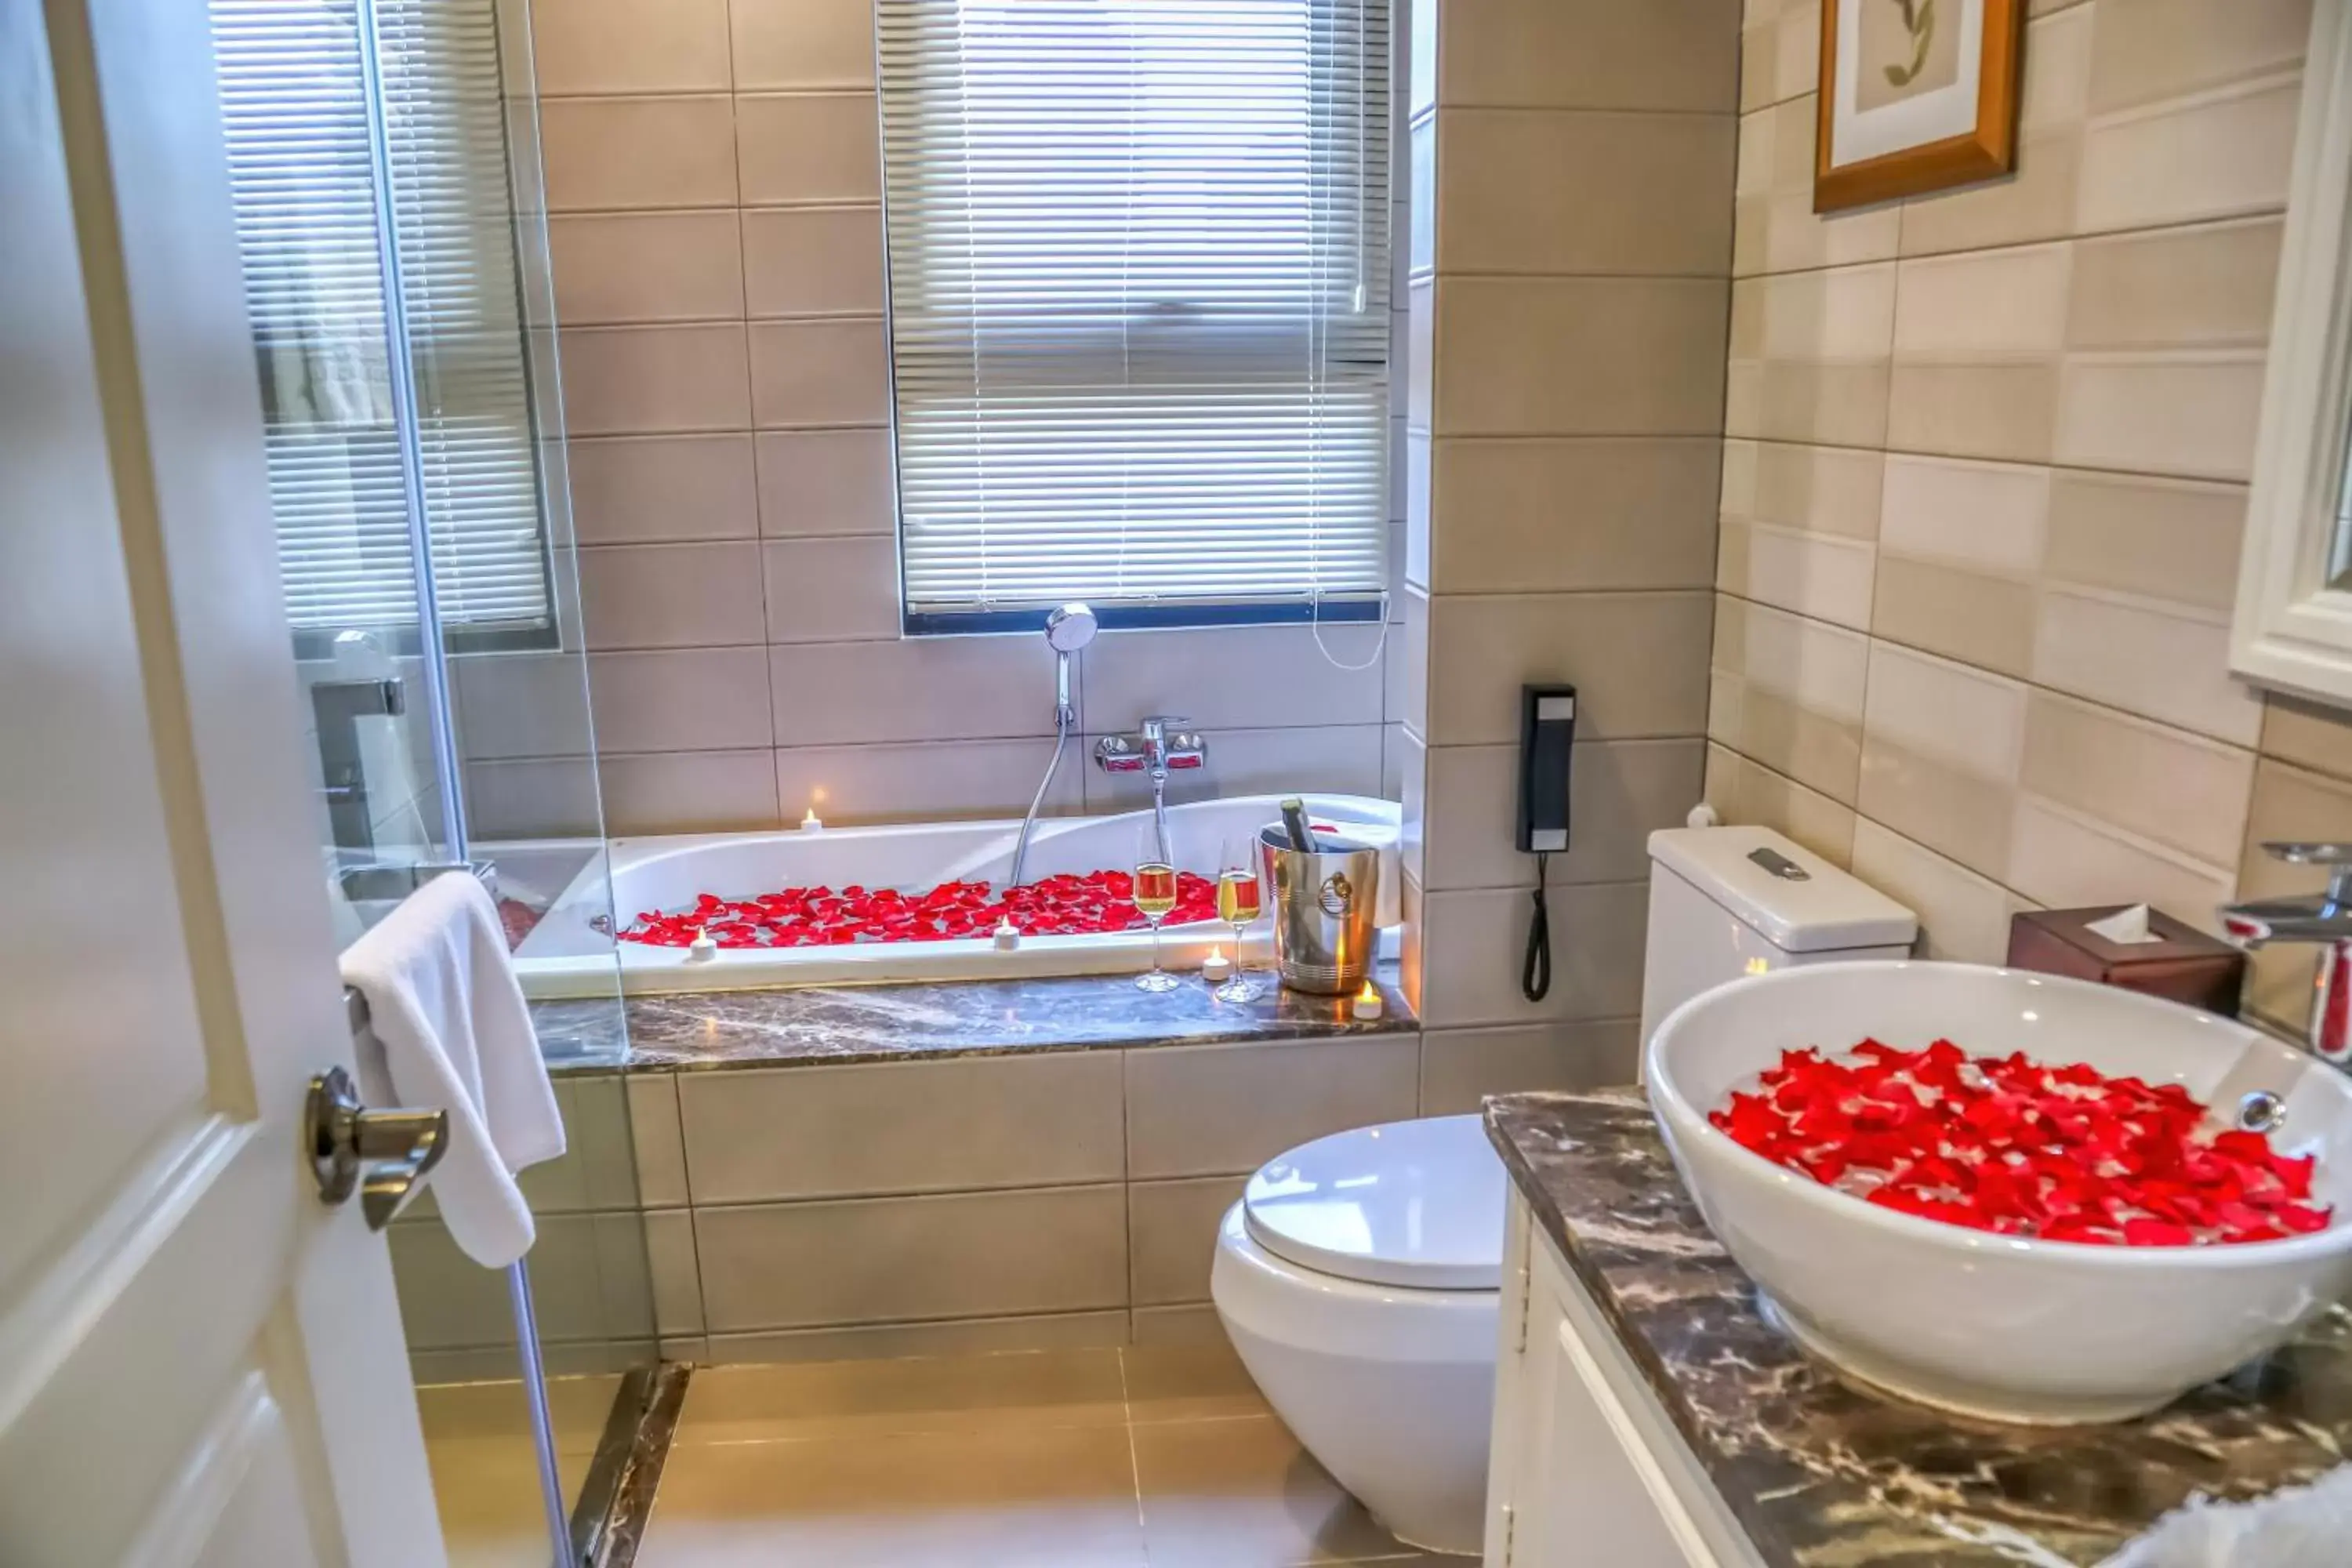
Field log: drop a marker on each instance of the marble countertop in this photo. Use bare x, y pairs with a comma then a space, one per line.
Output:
1825, 1475
842, 1025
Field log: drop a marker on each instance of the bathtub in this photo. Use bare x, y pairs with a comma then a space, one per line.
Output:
569, 953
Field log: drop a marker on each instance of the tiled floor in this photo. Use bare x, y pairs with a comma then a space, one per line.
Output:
485, 1474
1150, 1457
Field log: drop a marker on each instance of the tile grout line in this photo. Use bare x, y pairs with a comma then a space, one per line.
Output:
1126, 1413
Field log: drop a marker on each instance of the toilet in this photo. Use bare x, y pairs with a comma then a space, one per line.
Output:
1359, 1276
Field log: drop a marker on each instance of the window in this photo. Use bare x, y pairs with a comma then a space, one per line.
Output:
345, 479
1139, 307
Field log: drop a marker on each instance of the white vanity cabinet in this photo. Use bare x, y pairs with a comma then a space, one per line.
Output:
1587, 1470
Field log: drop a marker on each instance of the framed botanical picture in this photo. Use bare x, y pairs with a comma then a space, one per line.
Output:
1917, 96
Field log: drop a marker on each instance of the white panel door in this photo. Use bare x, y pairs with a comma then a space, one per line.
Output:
199, 1365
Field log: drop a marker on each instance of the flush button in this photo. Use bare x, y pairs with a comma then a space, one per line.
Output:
1781, 865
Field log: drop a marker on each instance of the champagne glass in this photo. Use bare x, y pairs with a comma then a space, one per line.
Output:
1155, 895
1237, 905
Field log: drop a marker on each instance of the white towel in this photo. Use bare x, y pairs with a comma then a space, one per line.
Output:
443, 1000
2298, 1527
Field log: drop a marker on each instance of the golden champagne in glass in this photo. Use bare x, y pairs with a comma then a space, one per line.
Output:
1155, 895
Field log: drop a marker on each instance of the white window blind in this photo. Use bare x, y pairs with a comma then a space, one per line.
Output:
296, 105
1139, 304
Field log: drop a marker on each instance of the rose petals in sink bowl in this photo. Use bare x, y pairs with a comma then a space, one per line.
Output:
2019, 1147
2046, 1226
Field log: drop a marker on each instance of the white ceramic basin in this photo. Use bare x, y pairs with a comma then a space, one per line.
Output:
1989, 1325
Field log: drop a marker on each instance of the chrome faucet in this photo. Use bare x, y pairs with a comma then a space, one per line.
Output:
1159, 743
2323, 921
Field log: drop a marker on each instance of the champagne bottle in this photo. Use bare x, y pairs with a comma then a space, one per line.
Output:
1294, 822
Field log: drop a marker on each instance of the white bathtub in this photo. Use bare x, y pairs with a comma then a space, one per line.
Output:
568, 955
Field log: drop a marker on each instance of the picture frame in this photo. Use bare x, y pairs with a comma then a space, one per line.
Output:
1915, 96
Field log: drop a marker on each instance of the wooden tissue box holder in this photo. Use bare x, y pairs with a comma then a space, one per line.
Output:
2185, 965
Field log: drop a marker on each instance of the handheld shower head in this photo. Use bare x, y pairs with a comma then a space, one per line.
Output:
1070, 629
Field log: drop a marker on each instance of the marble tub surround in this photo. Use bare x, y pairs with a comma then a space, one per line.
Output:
1820, 1473
839, 1024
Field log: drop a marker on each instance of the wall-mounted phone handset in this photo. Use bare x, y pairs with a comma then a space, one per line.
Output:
1547, 738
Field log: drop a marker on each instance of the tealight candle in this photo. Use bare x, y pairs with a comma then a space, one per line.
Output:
1007, 935
810, 823
1216, 969
1368, 1007
702, 948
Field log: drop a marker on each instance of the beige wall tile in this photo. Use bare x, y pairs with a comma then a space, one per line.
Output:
814, 147
655, 489
1983, 305
1571, 191
1741, 791
1476, 940
2065, 859
874, 1260
2307, 734
546, 797
1668, 54
902, 1127
520, 705
803, 43
2035, 203
2216, 156
1172, 1230
1459, 1068
603, 154
1964, 717
1810, 574
2144, 661
1582, 356
2176, 540
1775, 226
1846, 314
820, 373
1823, 668
2181, 790
2197, 287
1519, 516
814, 261
447, 1301
1960, 814
2057, 88
1992, 515
672, 596
1205, 1111
915, 688
1963, 917
2289, 804
818, 483
1814, 748
1813, 489
690, 699
677, 1276
1334, 759
2167, 47
646, 267
1623, 792
929, 781
2190, 414
1638, 658
1976, 618
629, 45
2000, 411
1844, 404
832, 590
625, 381
688, 792
657, 1139
1220, 677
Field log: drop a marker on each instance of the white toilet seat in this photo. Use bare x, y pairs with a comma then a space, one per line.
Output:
1412, 1203
1391, 1386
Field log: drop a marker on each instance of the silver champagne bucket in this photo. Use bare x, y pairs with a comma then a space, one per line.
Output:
1325, 904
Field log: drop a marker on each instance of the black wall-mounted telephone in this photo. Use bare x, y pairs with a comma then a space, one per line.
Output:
1546, 740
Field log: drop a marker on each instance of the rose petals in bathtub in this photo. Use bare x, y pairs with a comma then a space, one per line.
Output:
1063, 905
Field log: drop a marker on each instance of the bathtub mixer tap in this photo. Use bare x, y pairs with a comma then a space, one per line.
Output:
1159, 743
2322, 920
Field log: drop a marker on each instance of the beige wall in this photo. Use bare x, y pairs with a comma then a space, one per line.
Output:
713, 173
1570, 258
1984, 483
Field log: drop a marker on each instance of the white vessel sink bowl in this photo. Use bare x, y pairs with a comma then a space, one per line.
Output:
1988, 1325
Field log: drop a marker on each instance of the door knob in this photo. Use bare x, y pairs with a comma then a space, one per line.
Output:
383, 1155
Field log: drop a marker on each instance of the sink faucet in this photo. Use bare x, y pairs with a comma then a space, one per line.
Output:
2323, 921
1160, 743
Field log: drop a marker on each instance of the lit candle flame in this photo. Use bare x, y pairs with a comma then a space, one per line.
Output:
810, 820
